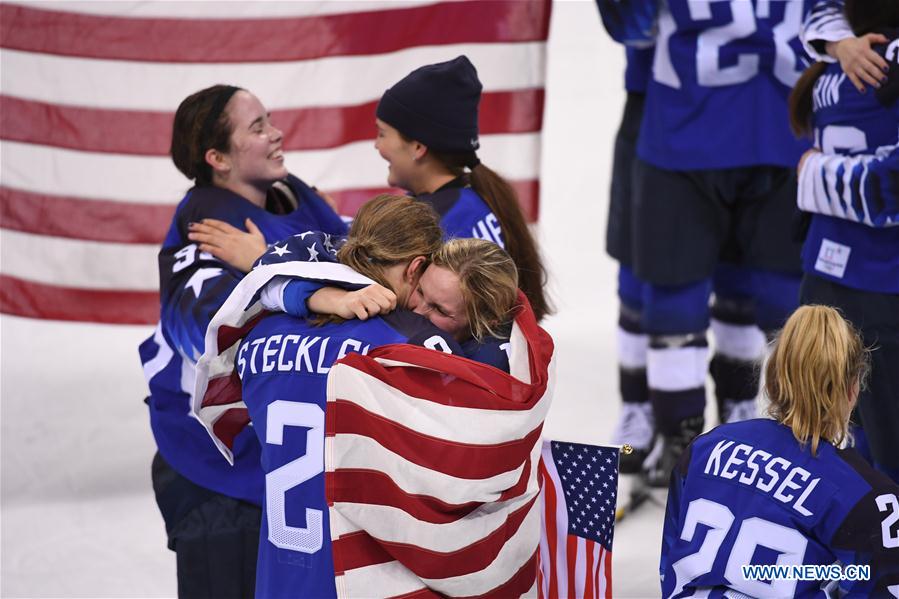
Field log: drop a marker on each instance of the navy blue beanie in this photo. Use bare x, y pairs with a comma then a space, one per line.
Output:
437, 105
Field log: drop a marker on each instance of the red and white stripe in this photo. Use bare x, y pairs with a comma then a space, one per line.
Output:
89, 90
430, 459
570, 566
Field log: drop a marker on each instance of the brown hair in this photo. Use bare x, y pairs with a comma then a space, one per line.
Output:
388, 230
502, 200
193, 133
488, 280
864, 16
817, 360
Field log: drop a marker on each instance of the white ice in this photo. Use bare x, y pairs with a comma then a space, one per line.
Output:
78, 515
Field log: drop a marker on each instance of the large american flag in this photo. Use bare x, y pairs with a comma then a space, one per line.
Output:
430, 459
580, 485
89, 89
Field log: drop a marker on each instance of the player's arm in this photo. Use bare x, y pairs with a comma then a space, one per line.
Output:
630, 22
827, 36
193, 283
869, 536
862, 188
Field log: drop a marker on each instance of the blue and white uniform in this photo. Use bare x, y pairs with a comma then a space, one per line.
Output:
748, 494
193, 285
286, 403
463, 213
721, 76
851, 251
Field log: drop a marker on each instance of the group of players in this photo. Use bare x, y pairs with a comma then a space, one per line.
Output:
702, 223
437, 273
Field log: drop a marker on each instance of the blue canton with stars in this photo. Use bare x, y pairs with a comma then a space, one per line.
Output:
309, 246
589, 476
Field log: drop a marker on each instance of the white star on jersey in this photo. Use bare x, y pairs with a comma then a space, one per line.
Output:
196, 280
280, 251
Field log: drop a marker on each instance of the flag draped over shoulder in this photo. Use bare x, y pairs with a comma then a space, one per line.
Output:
89, 90
431, 469
579, 490
431, 460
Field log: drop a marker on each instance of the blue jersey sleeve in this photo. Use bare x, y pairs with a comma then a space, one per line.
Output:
630, 22
863, 188
193, 284
824, 23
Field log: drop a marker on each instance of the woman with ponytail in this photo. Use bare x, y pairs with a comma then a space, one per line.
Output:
785, 491
224, 142
848, 190
428, 134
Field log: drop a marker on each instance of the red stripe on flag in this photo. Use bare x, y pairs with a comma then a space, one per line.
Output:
37, 300
77, 218
231, 423
357, 550
607, 557
258, 40
149, 133
222, 391
519, 584
589, 588
228, 336
129, 222
426, 563
571, 562
419, 594
376, 488
549, 520
449, 457
434, 386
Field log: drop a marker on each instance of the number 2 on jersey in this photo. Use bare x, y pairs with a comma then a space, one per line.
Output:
710, 41
278, 482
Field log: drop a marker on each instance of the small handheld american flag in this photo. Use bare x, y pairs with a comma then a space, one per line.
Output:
579, 489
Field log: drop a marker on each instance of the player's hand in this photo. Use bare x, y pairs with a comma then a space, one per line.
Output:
362, 304
860, 63
804, 157
229, 244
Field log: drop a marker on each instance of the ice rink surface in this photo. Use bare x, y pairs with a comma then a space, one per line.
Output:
78, 515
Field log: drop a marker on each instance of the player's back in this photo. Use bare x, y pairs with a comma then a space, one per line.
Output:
283, 364
721, 75
748, 494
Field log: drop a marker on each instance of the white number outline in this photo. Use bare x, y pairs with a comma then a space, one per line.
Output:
884, 503
789, 542
743, 23
280, 415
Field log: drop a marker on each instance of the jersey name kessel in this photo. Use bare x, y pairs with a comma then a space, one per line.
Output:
757, 468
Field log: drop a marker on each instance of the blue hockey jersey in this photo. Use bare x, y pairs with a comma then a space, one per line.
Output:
747, 494
193, 285
722, 72
283, 364
852, 188
463, 213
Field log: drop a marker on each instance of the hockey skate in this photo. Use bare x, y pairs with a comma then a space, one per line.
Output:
636, 427
668, 451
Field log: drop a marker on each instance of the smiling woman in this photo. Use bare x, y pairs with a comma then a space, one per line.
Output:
224, 140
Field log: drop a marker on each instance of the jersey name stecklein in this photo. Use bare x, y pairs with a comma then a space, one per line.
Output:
758, 468
295, 353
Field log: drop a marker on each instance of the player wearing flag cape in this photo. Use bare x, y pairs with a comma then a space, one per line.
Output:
222, 139
461, 421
